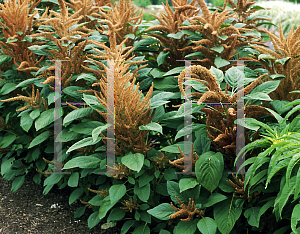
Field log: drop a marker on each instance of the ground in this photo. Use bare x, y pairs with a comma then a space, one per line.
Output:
29, 211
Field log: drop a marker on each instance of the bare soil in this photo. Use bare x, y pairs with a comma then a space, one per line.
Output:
29, 211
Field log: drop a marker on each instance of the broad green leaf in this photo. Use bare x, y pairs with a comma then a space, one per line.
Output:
264, 208
84, 142
186, 227
225, 215
162, 211
73, 180
75, 195
93, 219
126, 226
34, 114
86, 127
88, 77
295, 218
218, 49
210, 165
6, 165
175, 70
187, 183
143, 229
219, 62
79, 212
174, 148
160, 99
7, 88
218, 74
82, 162
189, 129
279, 105
265, 56
234, 77
207, 225
152, 126
156, 73
116, 192
277, 76
143, 193
214, 198
162, 57
258, 96
7, 140
46, 118
144, 179
72, 91
196, 85
96, 132
4, 59
282, 61
133, 161
76, 114
222, 37
266, 87
105, 207
39, 139
252, 216
176, 35
53, 179
116, 214
17, 183
146, 42
26, 121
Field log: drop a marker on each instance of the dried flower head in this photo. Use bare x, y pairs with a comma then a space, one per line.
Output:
161, 160
129, 205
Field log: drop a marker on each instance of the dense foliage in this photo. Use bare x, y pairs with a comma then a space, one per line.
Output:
168, 175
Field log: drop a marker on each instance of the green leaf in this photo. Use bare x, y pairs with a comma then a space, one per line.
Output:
126, 226
75, 195
174, 149
219, 62
105, 207
143, 193
218, 74
265, 56
225, 215
53, 179
79, 212
173, 71
7, 140
222, 37
258, 96
87, 127
34, 114
96, 132
264, 208
82, 162
196, 85
144, 179
160, 99
207, 225
156, 73
152, 126
72, 91
93, 219
17, 183
189, 129
161, 58
266, 87
234, 77
277, 77
84, 142
210, 165
282, 61
116, 192
46, 118
88, 77
6, 165
193, 54
7, 88
186, 227
5, 59
249, 123
76, 114
187, 183
278, 105
143, 229
116, 214
39, 139
162, 211
295, 218
218, 49
73, 180
26, 121
252, 216
176, 35
214, 198
146, 42
145, 217
239, 25
133, 161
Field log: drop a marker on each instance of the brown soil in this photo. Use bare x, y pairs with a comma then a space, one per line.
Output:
29, 211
